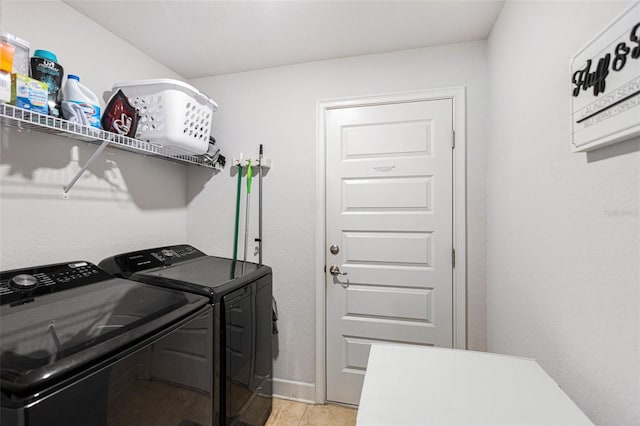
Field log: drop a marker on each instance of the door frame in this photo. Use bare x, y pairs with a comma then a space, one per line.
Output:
458, 97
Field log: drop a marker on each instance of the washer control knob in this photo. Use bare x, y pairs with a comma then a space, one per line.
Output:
168, 253
24, 281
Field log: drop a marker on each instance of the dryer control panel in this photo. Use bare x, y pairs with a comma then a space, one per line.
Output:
124, 265
19, 284
168, 254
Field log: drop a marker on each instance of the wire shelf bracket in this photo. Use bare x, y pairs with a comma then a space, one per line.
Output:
95, 155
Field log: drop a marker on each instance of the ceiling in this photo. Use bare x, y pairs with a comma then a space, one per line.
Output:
197, 38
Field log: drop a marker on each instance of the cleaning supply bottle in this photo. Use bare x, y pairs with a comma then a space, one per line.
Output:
45, 67
75, 92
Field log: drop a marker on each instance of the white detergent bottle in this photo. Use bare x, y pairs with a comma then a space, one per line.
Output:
77, 93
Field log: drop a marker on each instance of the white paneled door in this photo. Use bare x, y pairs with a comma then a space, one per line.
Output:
389, 186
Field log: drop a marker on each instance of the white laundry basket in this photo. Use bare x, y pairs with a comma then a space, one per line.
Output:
172, 114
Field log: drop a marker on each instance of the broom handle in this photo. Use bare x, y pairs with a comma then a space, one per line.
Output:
235, 240
260, 207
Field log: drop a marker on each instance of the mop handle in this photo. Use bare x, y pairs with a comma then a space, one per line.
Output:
249, 177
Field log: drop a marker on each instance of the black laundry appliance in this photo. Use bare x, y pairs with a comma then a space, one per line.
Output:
80, 347
240, 294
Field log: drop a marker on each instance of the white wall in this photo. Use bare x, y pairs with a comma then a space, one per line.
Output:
277, 107
562, 232
125, 201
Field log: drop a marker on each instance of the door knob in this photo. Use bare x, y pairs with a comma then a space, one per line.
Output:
335, 270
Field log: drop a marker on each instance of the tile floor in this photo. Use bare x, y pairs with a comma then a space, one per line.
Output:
292, 413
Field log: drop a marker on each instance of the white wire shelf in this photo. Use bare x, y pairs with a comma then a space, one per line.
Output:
23, 119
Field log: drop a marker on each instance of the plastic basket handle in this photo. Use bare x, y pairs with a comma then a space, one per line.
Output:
201, 98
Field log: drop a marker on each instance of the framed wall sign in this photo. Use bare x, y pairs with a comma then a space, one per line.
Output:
605, 85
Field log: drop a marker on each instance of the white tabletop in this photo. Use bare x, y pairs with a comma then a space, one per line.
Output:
414, 385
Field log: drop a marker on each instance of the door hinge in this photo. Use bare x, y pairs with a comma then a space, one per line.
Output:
325, 269
453, 258
453, 139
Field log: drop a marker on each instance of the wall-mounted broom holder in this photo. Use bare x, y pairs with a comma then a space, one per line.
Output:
244, 162
260, 166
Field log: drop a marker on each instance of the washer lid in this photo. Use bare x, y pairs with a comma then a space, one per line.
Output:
47, 337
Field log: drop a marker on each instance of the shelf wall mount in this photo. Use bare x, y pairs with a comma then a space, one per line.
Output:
93, 157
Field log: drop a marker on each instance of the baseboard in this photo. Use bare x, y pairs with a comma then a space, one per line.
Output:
293, 390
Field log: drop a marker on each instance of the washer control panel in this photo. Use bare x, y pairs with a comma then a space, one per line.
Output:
29, 282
